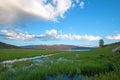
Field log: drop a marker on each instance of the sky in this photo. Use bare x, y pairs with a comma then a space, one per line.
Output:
74, 22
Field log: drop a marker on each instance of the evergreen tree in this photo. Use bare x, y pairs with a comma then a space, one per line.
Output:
101, 43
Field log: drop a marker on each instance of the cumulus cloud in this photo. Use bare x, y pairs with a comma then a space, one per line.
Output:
115, 37
54, 35
48, 35
82, 4
13, 12
16, 34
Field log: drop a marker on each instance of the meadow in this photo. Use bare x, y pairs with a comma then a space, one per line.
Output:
97, 64
7, 54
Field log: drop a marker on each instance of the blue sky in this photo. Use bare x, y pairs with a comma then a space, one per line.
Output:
76, 22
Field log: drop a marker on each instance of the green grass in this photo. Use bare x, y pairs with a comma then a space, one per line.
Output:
7, 54
100, 64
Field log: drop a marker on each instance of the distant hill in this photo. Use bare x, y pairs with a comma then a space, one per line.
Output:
44, 47
7, 46
57, 47
112, 44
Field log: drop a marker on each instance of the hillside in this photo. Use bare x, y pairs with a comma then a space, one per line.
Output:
112, 44
7, 46
57, 47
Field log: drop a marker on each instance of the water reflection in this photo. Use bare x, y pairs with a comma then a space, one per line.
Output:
24, 59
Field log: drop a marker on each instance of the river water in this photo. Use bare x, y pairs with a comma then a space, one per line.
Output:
25, 59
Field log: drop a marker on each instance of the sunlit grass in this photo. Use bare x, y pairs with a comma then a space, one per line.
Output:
6, 54
98, 64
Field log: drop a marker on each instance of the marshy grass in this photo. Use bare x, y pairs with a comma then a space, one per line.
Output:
8, 54
98, 64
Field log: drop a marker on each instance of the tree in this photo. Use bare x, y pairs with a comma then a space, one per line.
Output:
101, 43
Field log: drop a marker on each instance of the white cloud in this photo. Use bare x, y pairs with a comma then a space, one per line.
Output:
48, 35
16, 34
82, 4
54, 2
115, 37
19, 10
63, 6
91, 37
53, 34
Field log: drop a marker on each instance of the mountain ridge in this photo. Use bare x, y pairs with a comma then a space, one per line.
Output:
7, 46
57, 47
50, 47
